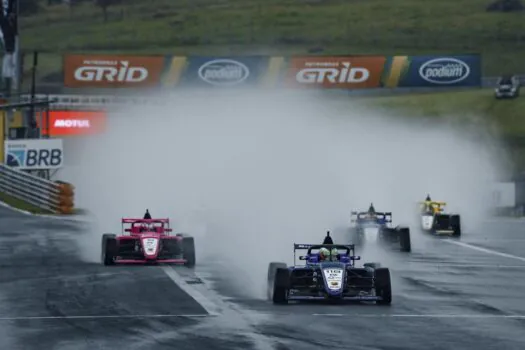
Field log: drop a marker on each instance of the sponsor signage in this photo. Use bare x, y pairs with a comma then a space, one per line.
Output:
224, 71
34, 154
339, 72
112, 71
71, 123
436, 71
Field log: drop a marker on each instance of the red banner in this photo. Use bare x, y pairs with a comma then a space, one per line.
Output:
71, 123
351, 72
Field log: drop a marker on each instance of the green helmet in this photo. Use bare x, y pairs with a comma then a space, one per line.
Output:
324, 252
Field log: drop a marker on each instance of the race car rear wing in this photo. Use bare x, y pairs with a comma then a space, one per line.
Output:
147, 221
434, 202
297, 246
349, 247
354, 216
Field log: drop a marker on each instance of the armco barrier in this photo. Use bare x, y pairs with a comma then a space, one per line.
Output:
57, 197
97, 102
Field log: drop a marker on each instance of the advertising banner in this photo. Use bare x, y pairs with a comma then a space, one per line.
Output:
34, 154
434, 71
337, 72
224, 71
73, 123
112, 71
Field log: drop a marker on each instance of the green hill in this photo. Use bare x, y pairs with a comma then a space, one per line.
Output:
220, 27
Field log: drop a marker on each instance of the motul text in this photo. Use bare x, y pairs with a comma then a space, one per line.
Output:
71, 123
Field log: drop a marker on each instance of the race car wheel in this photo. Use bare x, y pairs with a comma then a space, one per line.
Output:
281, 285
455, 222
188, 251
272, 270
109, 248
404, 239
383, 286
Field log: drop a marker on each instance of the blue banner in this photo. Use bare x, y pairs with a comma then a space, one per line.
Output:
224, 71
444, 71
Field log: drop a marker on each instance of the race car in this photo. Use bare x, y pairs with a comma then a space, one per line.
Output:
329, 274
435, 221
376, 227
508, 87
145, 241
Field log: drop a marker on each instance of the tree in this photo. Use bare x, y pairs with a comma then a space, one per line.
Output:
505, 6
28, 7
105, 4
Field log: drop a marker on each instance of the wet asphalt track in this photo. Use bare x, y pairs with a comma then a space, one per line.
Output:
447, 296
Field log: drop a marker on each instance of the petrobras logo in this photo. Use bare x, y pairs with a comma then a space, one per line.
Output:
444, 71
224, 72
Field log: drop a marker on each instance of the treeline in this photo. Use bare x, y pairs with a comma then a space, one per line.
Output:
31, 7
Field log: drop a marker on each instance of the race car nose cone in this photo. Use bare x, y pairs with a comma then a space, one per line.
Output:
371, 233
150, 246
427, 221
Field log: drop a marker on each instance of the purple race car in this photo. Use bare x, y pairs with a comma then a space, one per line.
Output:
331, 276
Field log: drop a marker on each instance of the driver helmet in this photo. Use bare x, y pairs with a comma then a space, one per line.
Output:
324, 253
334, 254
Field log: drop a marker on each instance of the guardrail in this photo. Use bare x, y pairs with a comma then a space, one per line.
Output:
56, 197
63, 101
86, 101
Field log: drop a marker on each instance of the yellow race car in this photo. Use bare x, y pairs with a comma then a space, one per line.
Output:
434, 219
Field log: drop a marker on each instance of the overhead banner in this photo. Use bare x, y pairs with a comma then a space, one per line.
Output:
204, 71
34, 154
112, 71
73, 123
335, 72
433, 71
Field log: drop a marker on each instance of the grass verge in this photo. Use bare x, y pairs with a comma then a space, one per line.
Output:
20, 204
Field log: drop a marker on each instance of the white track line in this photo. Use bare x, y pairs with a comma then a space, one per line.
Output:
96, 317
424, 316
485, 250
209, 306
443, 264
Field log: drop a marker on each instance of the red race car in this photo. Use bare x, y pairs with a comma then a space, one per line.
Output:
147, 241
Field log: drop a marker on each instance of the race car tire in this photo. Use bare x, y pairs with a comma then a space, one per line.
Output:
383, 285
109, 249
281, 286
455, 222
188, 251
272, 270
404, 240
